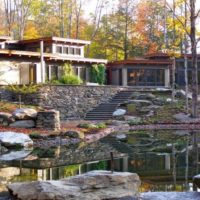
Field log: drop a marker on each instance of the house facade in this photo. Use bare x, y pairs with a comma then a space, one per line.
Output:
154, 70
40, 60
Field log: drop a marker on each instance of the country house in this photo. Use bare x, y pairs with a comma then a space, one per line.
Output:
154, 70
40, 60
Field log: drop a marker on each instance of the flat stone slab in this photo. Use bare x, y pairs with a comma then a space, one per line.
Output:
170, 196
10, 139
95, 185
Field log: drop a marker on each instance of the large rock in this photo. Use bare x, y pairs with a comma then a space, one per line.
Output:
119, 113
23, 124
147, 96
6, 118
25, 113
10, 139
14, 155
96, 185
122, 137
140, 102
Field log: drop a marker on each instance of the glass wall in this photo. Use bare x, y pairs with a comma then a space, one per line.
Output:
146, 77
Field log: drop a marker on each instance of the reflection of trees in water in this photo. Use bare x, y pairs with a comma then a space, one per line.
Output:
187, 163
195, 155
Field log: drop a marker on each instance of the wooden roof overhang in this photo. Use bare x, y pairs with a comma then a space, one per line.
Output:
143, 62
158, 55
27, 56
58, 40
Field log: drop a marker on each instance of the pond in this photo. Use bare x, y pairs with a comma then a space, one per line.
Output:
164, 160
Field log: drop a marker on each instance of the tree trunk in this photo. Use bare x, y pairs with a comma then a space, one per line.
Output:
194, 60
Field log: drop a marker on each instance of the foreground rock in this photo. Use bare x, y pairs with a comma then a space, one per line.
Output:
23, 124
25, 113
11, 139
95, 185
6, 118
14, 155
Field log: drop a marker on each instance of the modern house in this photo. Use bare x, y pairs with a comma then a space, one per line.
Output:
40, 60
154, 70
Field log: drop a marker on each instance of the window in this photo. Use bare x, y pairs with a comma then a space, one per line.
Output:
58, 49
146, 77
65, 50
71, 50
78, 51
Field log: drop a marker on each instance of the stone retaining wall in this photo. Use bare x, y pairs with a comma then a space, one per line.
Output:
75, 101
5, 94
71, 101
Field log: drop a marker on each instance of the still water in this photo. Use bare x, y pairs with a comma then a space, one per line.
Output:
164, 160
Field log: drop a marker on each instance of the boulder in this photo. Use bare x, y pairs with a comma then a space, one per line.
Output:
10, 139
140, 103
145, 110
95, 185
23, 124
182, 94
14, 155
159, 101
133, 120
147, 96
24, 113
182, 117
122, 137
119, 113
6, 118
74, 134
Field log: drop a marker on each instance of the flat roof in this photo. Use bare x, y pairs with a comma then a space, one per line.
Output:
50, 56
56, 40
158, 55
5, 38
141, 61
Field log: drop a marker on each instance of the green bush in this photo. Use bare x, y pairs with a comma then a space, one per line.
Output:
101, 125
70, 79
98, 74
90, 126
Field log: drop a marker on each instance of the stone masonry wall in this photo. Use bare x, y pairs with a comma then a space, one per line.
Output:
5, 94
71, 101
75, 101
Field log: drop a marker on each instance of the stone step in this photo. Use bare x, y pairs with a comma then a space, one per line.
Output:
105, 110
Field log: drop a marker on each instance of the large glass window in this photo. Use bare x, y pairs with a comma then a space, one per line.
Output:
146, 77
59, 49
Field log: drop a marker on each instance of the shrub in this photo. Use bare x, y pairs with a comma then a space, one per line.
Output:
101, 125
24, 89
70, 79
98, 74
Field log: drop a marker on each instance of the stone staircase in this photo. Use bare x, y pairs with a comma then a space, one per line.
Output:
104, 111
